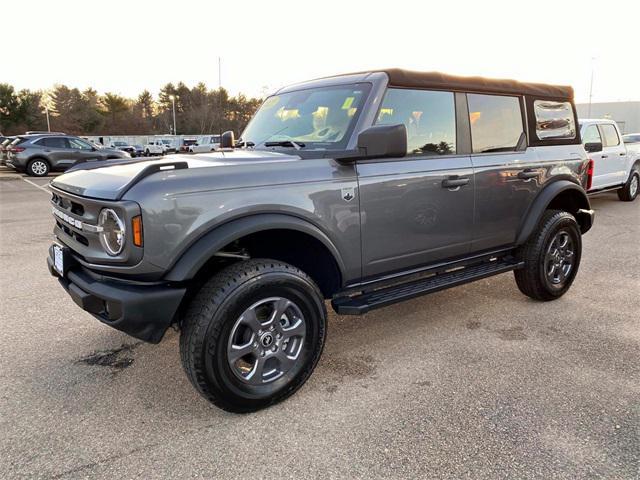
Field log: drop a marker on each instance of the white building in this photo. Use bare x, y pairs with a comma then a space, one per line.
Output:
626, 114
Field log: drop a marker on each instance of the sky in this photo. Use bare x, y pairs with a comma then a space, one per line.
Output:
125, 47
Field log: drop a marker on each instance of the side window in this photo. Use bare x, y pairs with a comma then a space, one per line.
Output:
591, 135
610, 135
496, 122
54, 142
430, 118
79, 144
554, 120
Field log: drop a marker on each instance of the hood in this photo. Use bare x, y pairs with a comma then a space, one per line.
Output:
110, 180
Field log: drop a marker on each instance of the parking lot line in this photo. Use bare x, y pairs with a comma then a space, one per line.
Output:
44, 189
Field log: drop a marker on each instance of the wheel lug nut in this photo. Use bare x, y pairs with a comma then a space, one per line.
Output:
274, 348
278, 336
262, 353
255, 344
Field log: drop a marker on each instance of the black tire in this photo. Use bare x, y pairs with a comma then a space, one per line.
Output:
213, 315
147, 153
38, 167
629, 192
540, 278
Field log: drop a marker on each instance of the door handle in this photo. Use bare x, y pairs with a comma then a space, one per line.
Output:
528, 174
605, 156
622, 154
454, 182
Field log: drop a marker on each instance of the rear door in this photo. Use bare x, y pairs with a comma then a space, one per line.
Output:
507, 177
418, 209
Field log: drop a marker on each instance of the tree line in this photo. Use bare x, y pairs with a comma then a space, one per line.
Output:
198, 110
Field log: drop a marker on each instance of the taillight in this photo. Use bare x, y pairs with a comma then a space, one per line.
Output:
589, 174
16, 149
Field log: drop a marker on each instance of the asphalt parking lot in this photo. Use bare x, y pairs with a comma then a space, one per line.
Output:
474, 382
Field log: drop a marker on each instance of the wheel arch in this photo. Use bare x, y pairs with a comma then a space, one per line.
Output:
561, 195
199, 253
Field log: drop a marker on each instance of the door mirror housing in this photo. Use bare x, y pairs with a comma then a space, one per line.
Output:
228, 140
593, 147
380, 141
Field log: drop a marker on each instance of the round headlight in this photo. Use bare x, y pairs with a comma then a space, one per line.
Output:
113, 231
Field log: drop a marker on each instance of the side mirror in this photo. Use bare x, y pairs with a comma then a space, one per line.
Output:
593, 147
228, 140
383, 141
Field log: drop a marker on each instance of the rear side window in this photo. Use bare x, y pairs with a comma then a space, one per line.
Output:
610, 135
53, 142
496, 122
554, 120
429, 117
591, 135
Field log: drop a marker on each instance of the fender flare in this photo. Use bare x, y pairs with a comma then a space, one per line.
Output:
201, 251
544, 199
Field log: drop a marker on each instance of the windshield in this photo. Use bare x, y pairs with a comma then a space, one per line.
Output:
319, 118
120, 144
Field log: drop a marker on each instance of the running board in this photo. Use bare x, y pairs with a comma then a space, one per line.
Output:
360, 304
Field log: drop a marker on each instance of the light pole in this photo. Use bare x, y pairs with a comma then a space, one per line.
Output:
46, 111
173, 101
591, 87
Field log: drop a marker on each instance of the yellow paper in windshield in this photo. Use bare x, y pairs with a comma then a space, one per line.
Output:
347, 103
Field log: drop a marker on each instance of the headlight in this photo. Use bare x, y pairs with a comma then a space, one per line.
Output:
113, 232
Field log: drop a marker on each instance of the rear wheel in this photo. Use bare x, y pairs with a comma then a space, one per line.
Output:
629, 192
38, 168
253, 334
551, 256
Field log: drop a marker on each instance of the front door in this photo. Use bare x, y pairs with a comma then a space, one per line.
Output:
614, 153
83, 151
418, 209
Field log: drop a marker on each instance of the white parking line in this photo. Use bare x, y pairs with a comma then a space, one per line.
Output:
44, 189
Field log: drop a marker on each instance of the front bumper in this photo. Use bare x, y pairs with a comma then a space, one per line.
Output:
144, 311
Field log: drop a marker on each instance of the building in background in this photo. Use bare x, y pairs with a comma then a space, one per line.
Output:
626, 114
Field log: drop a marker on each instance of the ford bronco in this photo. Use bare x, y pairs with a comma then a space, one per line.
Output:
363, 189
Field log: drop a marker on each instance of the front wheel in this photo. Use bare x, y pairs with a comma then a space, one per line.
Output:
253, 334
629, 192
551, 257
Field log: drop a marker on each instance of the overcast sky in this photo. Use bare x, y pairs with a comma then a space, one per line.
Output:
127, 46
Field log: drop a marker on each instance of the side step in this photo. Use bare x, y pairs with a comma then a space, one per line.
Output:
360, 304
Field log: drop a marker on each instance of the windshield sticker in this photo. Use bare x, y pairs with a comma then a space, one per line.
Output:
347, 103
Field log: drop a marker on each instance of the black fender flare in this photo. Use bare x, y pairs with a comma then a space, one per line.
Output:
583, 212
201, 251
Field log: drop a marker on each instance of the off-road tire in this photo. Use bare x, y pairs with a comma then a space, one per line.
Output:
38, 167
629, 192
532, 280
209, 318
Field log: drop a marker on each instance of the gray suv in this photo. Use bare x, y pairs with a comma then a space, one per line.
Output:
38, 154
363, 190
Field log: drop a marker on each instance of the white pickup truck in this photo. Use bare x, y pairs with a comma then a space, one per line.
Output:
154, 147
614, 167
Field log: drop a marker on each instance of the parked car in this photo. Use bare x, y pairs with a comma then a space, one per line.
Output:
205, 144
616, 166
37, 154
139, 150
155, 147
186, 143
169, 146
4, 144
632, 139
365, 189
124, 146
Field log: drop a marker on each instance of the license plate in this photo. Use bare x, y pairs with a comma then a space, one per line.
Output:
58, 259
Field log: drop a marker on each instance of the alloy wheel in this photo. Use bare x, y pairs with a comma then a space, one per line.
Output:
559, 258
266, 341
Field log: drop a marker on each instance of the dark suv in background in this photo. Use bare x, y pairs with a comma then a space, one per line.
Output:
38, 154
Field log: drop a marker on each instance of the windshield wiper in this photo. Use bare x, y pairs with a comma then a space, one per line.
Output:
285, 143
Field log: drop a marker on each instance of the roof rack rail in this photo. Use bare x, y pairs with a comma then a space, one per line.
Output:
38, 132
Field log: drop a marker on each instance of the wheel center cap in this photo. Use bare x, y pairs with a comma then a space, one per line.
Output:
267, 340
